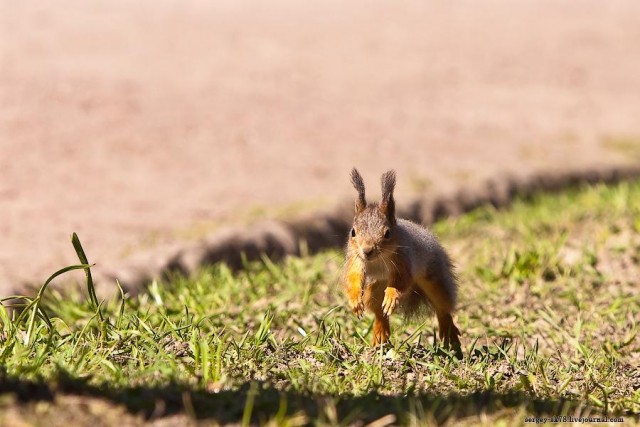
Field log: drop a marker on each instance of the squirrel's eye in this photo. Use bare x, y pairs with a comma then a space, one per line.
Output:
387, 234
353, 232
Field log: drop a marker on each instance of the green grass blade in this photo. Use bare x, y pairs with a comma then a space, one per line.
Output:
83, 259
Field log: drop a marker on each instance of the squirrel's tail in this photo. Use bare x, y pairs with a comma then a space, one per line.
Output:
415, 305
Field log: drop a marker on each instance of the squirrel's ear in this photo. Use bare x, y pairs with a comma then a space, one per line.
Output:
388, 205
358, 184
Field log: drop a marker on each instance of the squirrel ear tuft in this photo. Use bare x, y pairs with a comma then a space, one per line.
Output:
388, 205
358, 184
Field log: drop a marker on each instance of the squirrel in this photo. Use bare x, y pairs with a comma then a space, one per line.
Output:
395, 263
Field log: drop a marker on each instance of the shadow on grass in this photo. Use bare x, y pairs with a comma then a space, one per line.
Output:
269, 403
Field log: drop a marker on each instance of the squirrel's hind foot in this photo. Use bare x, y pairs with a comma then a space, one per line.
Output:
449, 334
381, 331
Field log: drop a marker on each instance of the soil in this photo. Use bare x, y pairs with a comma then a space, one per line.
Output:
125, 121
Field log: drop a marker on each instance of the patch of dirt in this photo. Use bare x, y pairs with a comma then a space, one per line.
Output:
71, 410
123, 121
177, 347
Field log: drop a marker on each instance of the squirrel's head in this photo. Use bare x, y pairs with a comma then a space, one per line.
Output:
373, 231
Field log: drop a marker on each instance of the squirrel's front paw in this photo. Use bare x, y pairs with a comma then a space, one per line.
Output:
391, 300
357, 306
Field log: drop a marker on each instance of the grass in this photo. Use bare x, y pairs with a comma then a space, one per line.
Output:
549, 310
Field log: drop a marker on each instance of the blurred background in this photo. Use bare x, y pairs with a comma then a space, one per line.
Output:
140, 123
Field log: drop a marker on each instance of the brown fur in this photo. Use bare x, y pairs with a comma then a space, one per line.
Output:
353, 281
383, 257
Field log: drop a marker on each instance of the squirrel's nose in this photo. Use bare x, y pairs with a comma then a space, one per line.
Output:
367, 251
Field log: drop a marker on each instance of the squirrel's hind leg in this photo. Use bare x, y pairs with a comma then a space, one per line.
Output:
448, 331
381, 330
373, 297
443, 302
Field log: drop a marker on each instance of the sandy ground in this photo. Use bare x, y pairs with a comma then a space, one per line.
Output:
123, 120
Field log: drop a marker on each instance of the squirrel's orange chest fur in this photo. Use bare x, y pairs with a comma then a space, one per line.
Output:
375, 271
